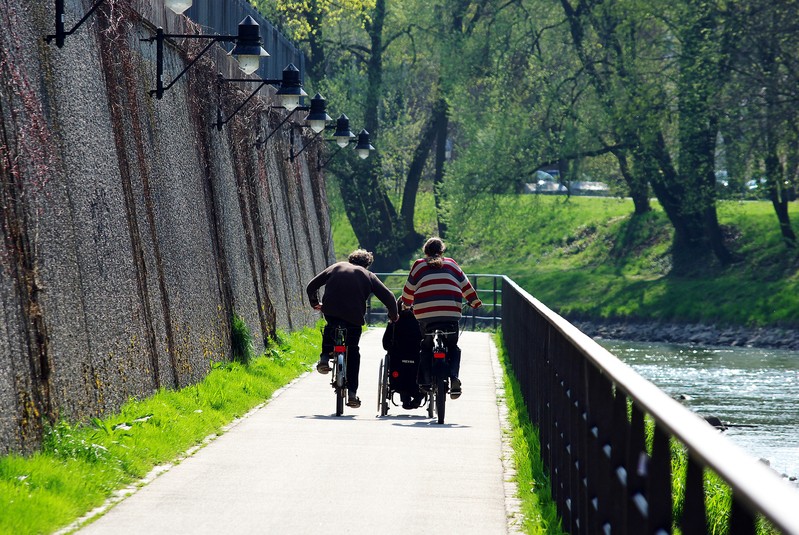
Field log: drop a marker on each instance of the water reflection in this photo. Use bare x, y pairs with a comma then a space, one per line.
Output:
756, 391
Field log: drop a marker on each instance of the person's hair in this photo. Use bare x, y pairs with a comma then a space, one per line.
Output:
361, 257
433, 249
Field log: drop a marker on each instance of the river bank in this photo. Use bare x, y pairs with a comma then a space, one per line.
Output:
700, 334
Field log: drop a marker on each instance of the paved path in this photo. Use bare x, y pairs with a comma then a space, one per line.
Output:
292, 467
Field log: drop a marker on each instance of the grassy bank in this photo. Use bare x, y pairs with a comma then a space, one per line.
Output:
588, 257
81, 466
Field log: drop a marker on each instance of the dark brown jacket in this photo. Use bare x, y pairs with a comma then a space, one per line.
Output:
347, 287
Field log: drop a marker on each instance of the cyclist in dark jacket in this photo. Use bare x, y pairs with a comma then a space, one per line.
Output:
347, 287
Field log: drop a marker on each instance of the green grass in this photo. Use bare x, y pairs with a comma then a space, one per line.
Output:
537, 507
80, 466
588, 257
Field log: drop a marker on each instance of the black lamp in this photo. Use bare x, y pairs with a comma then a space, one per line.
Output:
317, 117
289, 92
343, 136
363, 147
247, 51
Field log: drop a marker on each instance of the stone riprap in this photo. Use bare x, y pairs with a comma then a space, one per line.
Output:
700, 334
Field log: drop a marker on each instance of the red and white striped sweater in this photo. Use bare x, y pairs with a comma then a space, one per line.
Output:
436, 292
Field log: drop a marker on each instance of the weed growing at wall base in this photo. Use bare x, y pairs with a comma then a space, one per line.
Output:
241, 340
80, 466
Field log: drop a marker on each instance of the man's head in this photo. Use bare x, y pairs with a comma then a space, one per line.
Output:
361, 257
434, 247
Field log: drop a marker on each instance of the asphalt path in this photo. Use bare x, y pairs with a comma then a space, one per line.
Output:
293, 467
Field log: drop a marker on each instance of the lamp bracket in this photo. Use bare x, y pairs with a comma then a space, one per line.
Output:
319, 165
159, 43
60, 33
259, 142
261, 82
292, 154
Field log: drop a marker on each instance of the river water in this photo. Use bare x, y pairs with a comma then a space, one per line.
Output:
757, 389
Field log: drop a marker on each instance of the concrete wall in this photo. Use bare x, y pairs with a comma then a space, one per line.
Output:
131, 227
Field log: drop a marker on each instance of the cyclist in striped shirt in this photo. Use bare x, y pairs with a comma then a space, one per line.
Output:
435, 288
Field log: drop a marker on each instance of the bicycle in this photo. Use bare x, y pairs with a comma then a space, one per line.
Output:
339, 381
439, 376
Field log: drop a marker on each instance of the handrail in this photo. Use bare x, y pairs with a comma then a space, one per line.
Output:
591, 410
492, 307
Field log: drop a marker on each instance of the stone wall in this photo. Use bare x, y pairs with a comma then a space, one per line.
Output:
132, 229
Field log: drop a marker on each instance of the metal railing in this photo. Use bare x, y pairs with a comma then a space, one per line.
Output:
487, 286
607, 436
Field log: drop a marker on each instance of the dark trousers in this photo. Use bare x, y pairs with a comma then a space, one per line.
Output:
450, 342
352, 341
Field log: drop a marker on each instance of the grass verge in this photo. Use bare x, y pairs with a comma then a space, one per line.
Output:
540, 516
80, 466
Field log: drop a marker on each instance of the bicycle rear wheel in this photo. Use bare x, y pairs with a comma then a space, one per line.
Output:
441, 398
339, 384
383, 388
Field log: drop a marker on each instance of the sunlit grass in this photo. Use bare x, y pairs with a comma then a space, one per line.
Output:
80, 466
537, 506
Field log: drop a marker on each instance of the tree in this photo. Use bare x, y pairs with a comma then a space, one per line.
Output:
761, 103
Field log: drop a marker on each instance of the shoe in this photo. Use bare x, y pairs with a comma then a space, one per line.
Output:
323, 366
454, 388
352, 400
416, 402
407, 405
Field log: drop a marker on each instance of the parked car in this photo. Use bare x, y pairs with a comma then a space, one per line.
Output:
547, 183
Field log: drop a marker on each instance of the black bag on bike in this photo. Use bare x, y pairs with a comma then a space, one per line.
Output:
401, 341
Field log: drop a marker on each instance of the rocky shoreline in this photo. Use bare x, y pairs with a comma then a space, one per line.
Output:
699, 334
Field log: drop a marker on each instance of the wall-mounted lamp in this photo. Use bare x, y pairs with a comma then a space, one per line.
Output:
289, 93
60, 33
247, 51
343, 136
317, 119
363, 148
291, 90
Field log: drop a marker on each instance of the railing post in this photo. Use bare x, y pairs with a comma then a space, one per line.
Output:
473, 310
494, 309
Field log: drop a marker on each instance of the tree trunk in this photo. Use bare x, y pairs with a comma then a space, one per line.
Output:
774, 172
373, 217
420, 156
441, 113
636, 182
698, 81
